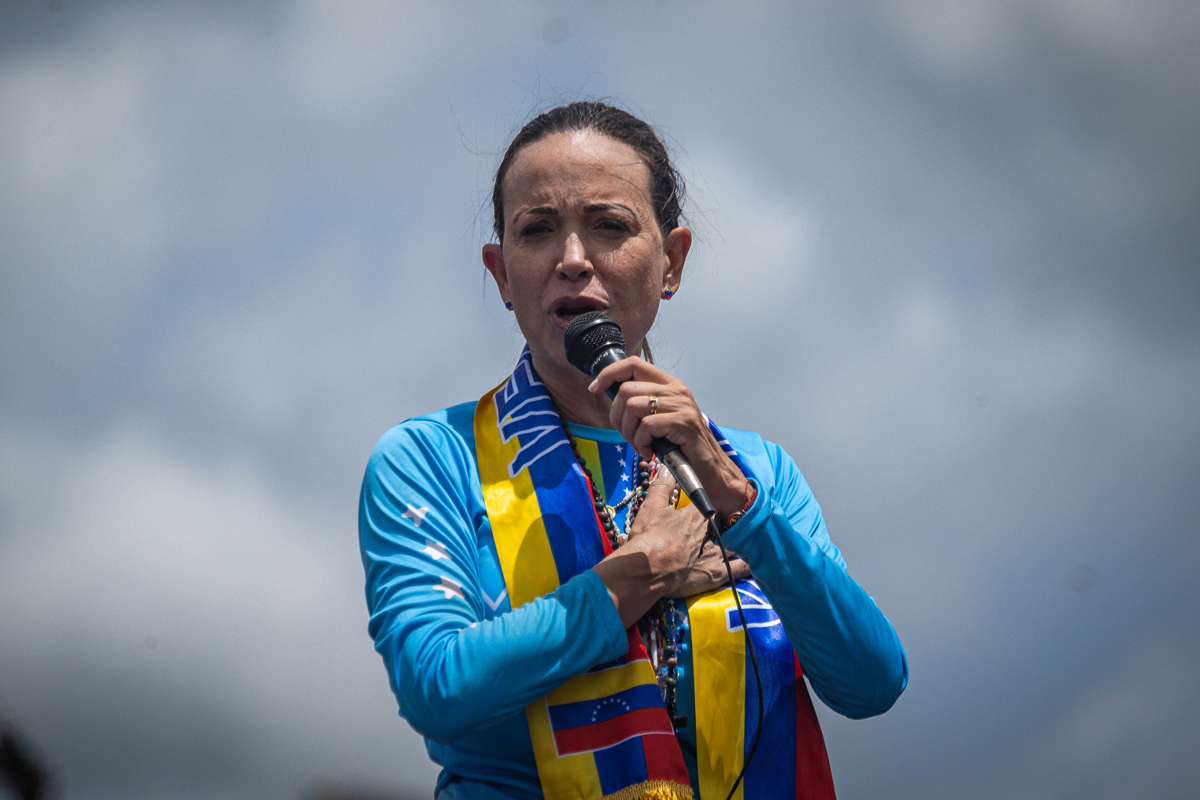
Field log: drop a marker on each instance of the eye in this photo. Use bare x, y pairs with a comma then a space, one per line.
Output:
612, 225
534, 228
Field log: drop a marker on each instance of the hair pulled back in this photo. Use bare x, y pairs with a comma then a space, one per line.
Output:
666, 185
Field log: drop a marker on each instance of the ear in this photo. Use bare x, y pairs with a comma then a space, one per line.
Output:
493, 259
675, 251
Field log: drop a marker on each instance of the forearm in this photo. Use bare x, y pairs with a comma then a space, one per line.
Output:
631, 584
452, 682
847, 647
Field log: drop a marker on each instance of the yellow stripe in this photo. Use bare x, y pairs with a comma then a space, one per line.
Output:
527, 562
591, 456
598, 685
567, 778
521, 543
719, 670
529, 572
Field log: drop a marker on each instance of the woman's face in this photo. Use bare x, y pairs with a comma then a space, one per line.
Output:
580, 234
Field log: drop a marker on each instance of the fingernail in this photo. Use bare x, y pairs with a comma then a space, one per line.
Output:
592, 386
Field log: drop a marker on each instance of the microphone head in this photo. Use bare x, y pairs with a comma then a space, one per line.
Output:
588, 335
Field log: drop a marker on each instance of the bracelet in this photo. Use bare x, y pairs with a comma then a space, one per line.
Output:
735, 516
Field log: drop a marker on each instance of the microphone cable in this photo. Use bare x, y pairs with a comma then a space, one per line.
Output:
716, 535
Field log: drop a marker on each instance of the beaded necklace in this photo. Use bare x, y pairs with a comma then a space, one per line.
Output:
661, 628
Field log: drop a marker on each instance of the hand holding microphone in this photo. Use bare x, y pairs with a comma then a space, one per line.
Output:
656, 412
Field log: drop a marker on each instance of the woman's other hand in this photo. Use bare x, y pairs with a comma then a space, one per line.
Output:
663, 556
650, 404
708, 572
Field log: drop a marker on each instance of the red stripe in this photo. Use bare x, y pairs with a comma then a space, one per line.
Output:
587, 738
664, 761
637, 650
814, 780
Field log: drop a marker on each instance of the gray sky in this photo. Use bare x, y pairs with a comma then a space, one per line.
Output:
948, 257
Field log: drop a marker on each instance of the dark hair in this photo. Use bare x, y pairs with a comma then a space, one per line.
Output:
666, 185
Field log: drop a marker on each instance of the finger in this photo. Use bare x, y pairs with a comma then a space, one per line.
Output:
631, 368
694, 517
667, 410
712, 562
667, 387
740, 569
639, 427
632, 404
660, 489
641, 403
720, 575
680, 428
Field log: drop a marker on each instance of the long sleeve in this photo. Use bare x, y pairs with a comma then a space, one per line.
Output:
453, 669
848, 649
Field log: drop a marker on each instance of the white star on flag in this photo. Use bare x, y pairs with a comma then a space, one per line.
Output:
417, 515
450, 589
436, 550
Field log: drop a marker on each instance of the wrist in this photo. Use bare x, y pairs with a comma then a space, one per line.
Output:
725, 484
631, 580
732, 497
751, 496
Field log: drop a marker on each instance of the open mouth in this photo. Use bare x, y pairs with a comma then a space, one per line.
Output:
569, 309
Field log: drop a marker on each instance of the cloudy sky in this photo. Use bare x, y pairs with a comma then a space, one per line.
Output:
948, 256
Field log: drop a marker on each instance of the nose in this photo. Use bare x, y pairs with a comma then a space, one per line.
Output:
574, 264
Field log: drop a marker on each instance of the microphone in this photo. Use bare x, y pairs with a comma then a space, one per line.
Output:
594, 341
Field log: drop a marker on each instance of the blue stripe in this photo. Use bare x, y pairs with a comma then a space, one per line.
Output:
570, 520
592, 712
621, 765
561, 488
772, 771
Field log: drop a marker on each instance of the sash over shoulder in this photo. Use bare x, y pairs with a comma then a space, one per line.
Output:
606, 733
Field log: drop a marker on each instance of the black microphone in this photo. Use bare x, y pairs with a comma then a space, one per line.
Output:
594, 341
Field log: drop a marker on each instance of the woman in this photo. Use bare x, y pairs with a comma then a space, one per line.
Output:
548, 614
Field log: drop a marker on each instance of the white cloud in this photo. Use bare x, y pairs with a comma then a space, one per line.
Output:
157, 135
757, 244
190, 588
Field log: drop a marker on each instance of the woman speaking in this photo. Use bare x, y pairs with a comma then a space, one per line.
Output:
553, 615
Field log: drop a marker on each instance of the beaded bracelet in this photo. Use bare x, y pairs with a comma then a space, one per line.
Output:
735, 516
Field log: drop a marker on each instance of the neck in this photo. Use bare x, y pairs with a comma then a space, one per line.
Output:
568, 388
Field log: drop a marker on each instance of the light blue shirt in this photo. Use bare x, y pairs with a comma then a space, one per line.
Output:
463, 665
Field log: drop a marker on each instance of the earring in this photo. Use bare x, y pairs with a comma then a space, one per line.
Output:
508, 304
667, 294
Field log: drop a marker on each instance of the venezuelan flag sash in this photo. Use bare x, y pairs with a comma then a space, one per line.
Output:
606, 733
790, 761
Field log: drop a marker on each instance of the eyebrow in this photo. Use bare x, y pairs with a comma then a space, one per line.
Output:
591, 208
594, 207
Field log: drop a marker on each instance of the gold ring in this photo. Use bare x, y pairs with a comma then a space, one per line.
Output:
653, 404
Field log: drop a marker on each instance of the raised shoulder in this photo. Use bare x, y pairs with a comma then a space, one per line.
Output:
424, 462
441, 434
